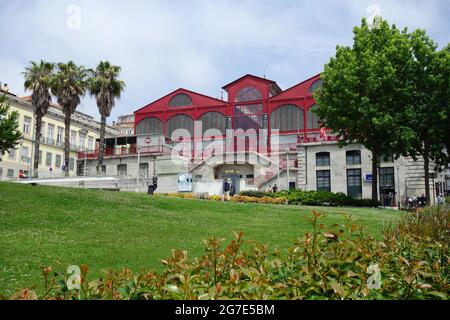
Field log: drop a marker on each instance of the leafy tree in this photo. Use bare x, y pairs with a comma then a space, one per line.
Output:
105, 87
364, 95
9, 127
68, 85
429, 116
37, 79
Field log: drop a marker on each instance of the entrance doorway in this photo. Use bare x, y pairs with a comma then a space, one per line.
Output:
387, 187
235, 183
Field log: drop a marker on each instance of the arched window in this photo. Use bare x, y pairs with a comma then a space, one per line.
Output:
180, 121
180, 100
322, 159
353, 157
316, 85
312, 118
150, 125
248, 94
287, 117
214, 120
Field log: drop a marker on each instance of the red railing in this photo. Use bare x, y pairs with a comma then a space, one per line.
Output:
126, 151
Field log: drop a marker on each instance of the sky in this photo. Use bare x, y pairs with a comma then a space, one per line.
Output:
163, 45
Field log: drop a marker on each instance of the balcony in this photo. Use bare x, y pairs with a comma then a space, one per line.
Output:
125, 151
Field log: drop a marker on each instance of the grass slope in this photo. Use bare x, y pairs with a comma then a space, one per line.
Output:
46, 226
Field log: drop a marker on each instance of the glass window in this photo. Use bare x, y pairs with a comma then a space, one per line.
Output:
73, 137
26, 125
248, 94
90, 143
248, 117
48, 159
121, 169
150, 125
12, 154
59, 136
181, 121
58, 161
10, 173
353, 157
24, 154
214, 120
50, 133
316, 85
387, 159
180, 100
82, 141
312, 118
354, 183
322, 159
286, 118
143, 170
323, 180
387, 177
72, 164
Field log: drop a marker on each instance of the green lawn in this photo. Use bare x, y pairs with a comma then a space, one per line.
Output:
45, 226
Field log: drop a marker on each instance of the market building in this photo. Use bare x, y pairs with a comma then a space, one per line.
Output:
259, 136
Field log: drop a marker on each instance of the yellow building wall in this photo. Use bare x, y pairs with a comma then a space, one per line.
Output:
14, 165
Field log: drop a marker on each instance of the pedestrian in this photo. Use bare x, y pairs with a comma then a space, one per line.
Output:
226, 189
275, 188
270, 189
440, 200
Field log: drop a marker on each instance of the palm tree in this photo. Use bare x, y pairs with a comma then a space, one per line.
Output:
38, 77
105, 86
68, 85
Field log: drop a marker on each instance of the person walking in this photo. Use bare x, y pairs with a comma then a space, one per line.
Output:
226, 189
275, 188
440, 200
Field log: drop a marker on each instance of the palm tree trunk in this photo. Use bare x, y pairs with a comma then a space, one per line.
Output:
426, 166
37, 144
101, 151
67, 143
374, 176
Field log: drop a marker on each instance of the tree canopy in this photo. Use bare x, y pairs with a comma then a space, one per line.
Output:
9, 127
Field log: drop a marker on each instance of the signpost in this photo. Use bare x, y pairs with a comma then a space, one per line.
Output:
185, 182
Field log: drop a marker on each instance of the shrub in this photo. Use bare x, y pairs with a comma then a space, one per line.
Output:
315, 198
336, 262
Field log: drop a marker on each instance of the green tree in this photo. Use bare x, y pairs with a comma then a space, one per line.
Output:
429, 114
68, 86
363, 94
38, 79
105, 86
9, 127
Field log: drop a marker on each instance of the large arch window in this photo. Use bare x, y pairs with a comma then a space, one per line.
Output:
150, 125
312, 118
180, 100
248, 94
214, 120
316, 85
287, 117
180, 121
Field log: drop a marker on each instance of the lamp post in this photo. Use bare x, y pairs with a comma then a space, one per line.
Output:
138, 167
287, 167
398, 186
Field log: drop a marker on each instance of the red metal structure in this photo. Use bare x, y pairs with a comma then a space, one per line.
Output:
253, 103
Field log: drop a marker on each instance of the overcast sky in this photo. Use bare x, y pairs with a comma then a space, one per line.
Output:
198, 45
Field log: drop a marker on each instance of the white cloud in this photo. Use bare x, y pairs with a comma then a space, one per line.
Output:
200, 45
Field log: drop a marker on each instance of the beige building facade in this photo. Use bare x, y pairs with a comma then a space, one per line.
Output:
83, 134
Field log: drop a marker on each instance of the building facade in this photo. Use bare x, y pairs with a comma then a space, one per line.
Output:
258, 137
84, 133
125, 125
